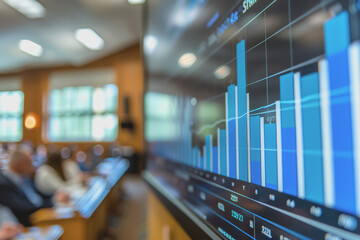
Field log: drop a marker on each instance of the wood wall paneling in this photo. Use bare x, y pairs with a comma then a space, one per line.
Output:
129, 78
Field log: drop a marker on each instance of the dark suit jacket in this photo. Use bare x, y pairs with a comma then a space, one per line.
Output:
14, 198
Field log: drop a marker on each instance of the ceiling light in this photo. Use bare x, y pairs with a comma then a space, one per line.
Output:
134, 2
31, 48
150, 43
187, 60
89, 38
29, 8
222, 72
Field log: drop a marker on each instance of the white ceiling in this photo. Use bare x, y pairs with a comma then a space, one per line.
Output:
116, 21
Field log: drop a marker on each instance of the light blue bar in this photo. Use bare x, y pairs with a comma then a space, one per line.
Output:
337, 34
223, 152
288, 134
337, 37
312, 141
231, 130
215, 168
271, 176
196, 159
208, 154
255, 152
242, 110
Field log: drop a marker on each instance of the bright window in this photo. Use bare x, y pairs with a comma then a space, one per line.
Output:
11, 116
160, 114
84, 113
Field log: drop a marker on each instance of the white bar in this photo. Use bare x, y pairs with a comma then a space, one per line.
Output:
279, 148
211, 153
326, 134
248, 135
227, 136
219, 154
237, 134
299, 137
354, 60
262, 147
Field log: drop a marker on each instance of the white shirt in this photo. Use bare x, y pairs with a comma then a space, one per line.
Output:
48, 181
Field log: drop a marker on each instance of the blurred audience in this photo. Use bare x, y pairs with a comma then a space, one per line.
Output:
9, 226
40, 156
59, 175
17, 189
10, 230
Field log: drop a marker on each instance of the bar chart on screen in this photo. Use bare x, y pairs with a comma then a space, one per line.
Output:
312, 140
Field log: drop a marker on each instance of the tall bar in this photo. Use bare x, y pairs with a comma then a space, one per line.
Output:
312, 142
255, 152
337, 41
231, 123
299, 136
248, 135
355, 97
262, 151
208, 152
288, 134
328, 166
271, 177
279, 148
222, 151
242, 112
215, 160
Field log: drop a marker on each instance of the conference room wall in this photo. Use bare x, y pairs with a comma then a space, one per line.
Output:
128, 68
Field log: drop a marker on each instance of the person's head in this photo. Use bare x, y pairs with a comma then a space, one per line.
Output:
56, 162
21, 163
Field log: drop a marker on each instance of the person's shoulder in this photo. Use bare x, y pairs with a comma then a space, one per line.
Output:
3, 179
44, 169
70, 163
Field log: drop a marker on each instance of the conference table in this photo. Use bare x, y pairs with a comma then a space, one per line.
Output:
44, 233
86, 218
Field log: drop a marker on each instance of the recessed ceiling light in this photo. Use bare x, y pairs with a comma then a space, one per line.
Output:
187, 60
222, 72
31, 48
150, 43
89, 38
134, 2
29, 8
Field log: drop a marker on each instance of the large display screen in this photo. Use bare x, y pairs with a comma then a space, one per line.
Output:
252, 114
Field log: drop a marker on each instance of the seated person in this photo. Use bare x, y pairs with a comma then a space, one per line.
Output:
9, 231
9, 226
59, 175
17, 189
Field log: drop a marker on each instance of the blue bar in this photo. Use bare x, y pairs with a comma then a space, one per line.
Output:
208, 152
337, 38
288, 134
215, 167
202, 162
223, 153
194, 157
337, 34
271, 177
255, 152
242, 118
232, 130
312, 141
